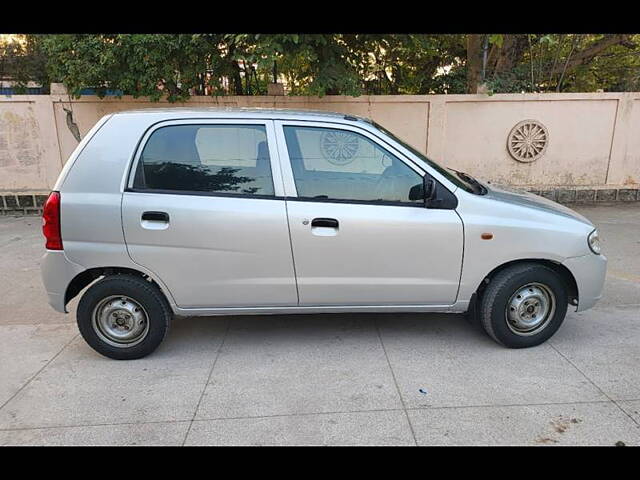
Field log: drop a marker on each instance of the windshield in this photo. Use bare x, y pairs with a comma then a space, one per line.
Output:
466, 182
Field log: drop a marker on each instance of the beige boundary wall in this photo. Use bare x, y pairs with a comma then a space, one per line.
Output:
592, 153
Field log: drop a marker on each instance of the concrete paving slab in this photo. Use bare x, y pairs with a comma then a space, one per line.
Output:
355, 428
299, 364
458, 365
632, 407
25, 350
605, 346
620, 291
279, 365
83, 388
569, 424
23, 299
618, 227
108, 435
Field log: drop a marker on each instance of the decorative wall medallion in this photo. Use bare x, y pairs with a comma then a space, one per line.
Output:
528, 141
339, 148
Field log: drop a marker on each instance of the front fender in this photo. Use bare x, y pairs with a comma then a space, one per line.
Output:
589, 272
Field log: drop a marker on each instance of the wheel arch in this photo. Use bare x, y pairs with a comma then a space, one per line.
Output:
563, 272
89, 276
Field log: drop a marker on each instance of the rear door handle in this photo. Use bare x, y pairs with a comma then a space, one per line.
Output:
325, 222
156, 216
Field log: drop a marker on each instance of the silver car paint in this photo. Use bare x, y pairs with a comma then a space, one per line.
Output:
589, 271
379, 255
520, 231
92, 188
240, 256
215, 251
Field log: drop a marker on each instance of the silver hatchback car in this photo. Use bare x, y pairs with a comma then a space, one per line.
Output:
182, 212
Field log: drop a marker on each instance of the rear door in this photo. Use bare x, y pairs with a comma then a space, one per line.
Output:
204, 211
357, 238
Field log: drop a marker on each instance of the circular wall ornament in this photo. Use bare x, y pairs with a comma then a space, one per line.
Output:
528, 141
339, 148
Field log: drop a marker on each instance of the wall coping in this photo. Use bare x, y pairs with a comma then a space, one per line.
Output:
506, 97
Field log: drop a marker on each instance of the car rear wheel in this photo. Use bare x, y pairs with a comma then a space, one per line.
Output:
123, 317
523, 305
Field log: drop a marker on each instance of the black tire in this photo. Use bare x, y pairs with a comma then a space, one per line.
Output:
471, 315
146, 294
492, 309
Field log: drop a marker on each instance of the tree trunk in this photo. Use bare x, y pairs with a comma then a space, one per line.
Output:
592, 51
237, 79
235, 71
474, 62
505, 58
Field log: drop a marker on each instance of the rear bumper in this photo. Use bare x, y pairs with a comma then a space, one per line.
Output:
57, 272
589, 271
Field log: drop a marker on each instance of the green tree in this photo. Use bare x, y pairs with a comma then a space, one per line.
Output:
139, 65
556, 62
177, 66
22, 60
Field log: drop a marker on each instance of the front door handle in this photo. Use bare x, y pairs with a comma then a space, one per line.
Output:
325, 222
156, 216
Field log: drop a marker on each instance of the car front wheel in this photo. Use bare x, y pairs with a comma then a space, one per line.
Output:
523, 305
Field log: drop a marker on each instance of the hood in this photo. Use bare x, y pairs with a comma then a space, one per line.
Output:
516, 196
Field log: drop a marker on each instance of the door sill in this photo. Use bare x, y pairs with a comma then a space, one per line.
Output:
285, 310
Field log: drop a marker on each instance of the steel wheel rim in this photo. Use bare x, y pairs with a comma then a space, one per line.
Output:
120, 321
530, 309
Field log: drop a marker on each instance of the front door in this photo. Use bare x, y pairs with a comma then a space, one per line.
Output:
357, 238
205, 213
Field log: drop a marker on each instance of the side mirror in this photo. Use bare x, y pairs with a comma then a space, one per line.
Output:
423, 191
429, 189
416, 192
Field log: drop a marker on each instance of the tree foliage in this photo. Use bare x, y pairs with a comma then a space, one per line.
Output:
175, 66
558, 62
22, 60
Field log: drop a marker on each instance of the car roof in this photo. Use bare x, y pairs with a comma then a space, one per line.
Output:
242, 112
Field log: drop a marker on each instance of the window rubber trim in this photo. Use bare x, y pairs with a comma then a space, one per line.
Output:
197, 193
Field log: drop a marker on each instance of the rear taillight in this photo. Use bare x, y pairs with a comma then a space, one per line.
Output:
51, 222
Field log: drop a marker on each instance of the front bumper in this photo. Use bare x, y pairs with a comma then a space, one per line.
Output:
57, 272
589, 271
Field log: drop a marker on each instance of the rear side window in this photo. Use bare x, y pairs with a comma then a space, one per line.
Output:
336, 164
230, 159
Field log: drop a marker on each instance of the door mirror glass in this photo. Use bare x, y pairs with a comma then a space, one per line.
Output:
416, 192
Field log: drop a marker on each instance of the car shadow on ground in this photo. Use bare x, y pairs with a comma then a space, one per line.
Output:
285, 329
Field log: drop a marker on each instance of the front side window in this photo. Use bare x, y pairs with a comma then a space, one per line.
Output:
339, 164
232, 159
452, 175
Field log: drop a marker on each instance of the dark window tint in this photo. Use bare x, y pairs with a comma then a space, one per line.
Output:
344, 165
207, 158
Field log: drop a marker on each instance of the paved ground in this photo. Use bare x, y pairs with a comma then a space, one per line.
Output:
323, 379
